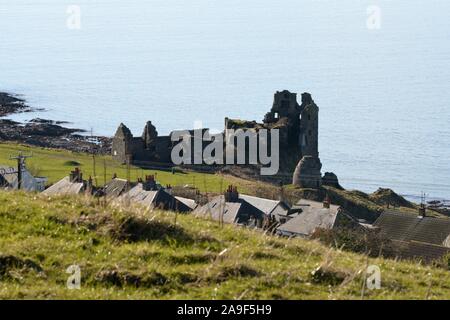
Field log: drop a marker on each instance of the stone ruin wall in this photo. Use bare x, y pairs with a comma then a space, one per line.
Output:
297, 124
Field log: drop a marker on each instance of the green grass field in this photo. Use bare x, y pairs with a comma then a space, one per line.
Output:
130, 253
56, 164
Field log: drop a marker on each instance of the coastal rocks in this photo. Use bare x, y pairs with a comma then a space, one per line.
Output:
45, 133
387, 197
307, 173
330, 179
42, 127
441, 206
10, 105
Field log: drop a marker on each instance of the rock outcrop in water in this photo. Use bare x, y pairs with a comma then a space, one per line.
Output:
10, 104
45, 133
331, 179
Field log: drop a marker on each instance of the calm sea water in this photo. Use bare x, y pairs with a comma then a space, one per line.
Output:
383, 94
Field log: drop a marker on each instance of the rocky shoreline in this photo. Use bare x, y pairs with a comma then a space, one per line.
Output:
10, 104
43, 132
441, 206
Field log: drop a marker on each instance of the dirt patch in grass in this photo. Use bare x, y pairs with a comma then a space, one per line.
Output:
301, 251
276, 244
133, 229
192, 258
10, 262
185, 277
261, 255
328, 276
72, 163
236, 271
129, 228
120, 278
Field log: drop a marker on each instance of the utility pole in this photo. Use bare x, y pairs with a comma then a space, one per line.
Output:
93, 158
104, 172
20, 166
423, 208
128, 172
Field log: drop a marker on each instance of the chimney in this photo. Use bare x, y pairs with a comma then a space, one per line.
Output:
89, 185
231, 195
327, 202
149, 183
114, 175
422, 211
76, 176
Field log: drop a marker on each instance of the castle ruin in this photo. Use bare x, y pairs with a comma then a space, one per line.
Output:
298, 130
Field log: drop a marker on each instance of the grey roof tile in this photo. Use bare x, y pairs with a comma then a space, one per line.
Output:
402, 226
64, 187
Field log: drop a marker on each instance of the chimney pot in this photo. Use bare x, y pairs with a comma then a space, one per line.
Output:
422, 211
327, 202
231, 195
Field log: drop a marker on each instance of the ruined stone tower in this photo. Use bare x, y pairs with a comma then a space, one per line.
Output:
121, 144
285, 105
143, 150
307, 172
299, 132
149, 136
309, 127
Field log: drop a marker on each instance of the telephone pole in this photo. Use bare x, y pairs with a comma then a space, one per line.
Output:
94, 164
20, 166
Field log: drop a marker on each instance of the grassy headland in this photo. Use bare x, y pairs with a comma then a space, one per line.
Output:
132, 253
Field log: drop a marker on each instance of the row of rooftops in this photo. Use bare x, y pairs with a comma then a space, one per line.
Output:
9, 179
417, 236
145, 192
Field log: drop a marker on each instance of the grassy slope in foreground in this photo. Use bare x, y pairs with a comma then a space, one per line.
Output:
130, 253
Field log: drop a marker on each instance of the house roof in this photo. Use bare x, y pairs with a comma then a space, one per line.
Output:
64, 187
313, 215
232, 212
189, 202
265, 205
123, 131
8, 174
402, 226
9, 179
304, 203
310, 219
419, 250
115, 187
139, 195
155, 199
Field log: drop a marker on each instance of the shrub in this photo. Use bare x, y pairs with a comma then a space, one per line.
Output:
367, 241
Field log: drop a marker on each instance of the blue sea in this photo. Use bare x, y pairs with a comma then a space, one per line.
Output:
379, 70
